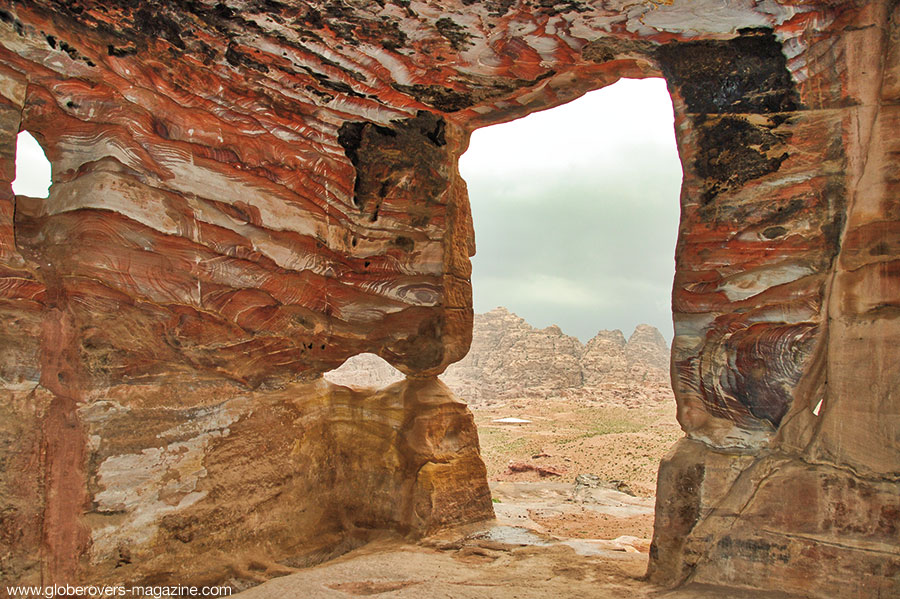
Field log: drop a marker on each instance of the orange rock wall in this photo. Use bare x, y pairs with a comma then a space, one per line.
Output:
790, 480
246, 193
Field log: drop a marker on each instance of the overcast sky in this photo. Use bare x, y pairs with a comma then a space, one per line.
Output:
32, 168
576, 212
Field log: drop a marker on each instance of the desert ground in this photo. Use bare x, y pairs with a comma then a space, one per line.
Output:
575, 437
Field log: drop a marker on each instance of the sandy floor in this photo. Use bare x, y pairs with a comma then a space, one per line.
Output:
562, 439
557, 509
496, 560
462, 569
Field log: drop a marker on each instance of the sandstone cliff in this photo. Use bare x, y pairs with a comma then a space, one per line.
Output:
510, 358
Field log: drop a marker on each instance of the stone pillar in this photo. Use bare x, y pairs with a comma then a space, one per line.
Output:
800, 494
23, 404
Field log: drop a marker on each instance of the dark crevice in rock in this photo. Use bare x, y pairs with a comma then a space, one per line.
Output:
404, 243
438, 96
381, 154
454, 33
156, 24
447, 99
238, 58
732, 151
337, 86
607, 49
773, 232
120, 52
747, 74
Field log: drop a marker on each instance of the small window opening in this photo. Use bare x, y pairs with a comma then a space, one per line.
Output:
364, 370
33, 170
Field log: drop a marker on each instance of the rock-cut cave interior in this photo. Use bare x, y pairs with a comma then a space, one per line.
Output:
246, 193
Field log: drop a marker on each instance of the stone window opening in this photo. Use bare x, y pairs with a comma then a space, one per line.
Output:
582, 160
33, 170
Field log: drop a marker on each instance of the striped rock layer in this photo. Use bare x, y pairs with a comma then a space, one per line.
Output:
246, 193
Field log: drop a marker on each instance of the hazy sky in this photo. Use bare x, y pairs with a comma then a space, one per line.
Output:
32, 168
576, 211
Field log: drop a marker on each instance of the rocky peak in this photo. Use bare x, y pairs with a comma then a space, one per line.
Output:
510, 358
604, 357
365, 370
500, 318
604, 337
508, 355
606, 343
553, 330
647, 346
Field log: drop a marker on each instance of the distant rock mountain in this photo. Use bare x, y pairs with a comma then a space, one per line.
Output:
365, 370
510, 358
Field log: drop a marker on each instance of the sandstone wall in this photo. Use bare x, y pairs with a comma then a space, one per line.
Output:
247, 193
781, 358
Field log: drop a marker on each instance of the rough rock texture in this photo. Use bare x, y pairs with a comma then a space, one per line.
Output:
352, 459
786, 296
300, 473
646, 348
509, 358
246, 193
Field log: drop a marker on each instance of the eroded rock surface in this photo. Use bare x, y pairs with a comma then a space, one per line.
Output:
247, 193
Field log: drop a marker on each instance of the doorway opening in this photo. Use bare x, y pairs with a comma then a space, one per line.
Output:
576, 213
33, 171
